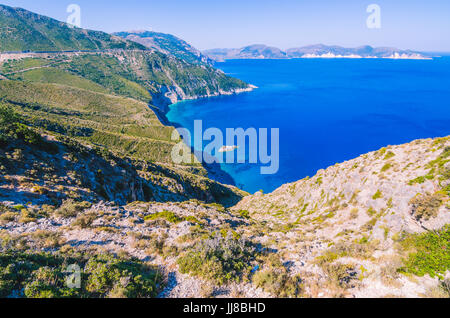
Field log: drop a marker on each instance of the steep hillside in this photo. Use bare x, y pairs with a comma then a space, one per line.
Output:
75, 93
105, 98
125, 126
53, 210
22, 30
167, 44
135, 74
122, 67
86, 178
40, 167
371, 227
376, 226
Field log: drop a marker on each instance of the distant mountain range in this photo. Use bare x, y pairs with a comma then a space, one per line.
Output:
168, 44
260, 51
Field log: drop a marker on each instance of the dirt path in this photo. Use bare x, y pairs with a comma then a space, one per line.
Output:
33, 68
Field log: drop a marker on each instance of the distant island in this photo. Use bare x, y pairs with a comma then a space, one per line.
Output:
260, 51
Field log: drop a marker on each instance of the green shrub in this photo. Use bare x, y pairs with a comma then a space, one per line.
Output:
328, 256
386, 167
192, 219
219, 259
381, 152
8, 217
441, 160
244, 214
389, 155
48, 239
27, 216
278, 283
166, 215
217, 206
113, 277
7, 117
429, 253
10, 126
44, 276
447, 190
71, 208
371, 212
420, 180
340, 275
276, 280
426, 206
85, 221
361, 249
26, 134
439, 167
46, 282
377, 195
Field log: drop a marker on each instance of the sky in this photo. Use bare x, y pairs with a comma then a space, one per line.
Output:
406, 24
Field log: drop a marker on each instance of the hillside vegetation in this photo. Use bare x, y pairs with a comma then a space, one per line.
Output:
123, 125
105, 98
22, 30
168, 44
374, 226
86, 179
42, 167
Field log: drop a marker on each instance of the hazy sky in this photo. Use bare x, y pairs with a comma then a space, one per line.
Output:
406, 24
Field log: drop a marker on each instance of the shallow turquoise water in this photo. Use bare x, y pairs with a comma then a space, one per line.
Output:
328, 111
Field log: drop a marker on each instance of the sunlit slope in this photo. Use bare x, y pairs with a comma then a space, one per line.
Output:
122, 124
22, 30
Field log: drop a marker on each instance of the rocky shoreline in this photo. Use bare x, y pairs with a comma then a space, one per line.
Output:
170, 96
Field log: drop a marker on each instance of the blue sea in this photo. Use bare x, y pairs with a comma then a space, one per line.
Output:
328, 110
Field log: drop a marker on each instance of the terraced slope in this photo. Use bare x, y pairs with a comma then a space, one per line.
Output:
125, 126
107, 96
